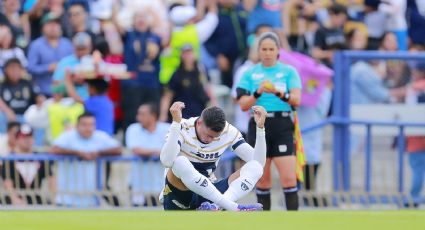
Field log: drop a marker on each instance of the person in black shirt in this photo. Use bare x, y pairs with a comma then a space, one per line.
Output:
328, 39
189, 85
16, 93
25, 175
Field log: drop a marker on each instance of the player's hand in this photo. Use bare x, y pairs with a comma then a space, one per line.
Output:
176, 111
260, 115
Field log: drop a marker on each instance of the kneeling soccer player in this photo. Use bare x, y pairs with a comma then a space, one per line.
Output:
192, 151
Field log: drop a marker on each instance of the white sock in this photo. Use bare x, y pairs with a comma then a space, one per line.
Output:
250, 173
199, 184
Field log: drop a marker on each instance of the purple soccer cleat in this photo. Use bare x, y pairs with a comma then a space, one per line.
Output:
250, 207
207, 206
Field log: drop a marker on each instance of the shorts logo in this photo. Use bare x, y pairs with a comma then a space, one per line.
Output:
204, 183
180, 205
244, 187
283, 148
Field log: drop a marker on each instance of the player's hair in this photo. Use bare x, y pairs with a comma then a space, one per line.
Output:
214, 118
269, 35
84, 115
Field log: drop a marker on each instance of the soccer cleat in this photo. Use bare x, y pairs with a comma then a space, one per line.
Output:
250, 207
207, 206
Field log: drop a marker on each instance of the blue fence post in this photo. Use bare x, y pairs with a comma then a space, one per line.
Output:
401, 148
368, 156
99, 177
345, 114
337, 113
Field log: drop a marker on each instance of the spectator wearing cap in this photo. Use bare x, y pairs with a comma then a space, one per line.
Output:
46, 51
62, 112
184, 31
16, 93
8, 48
227, 43
416, 144
26, 175
189, 84
82, 47
330, 38
86, 143
141, 54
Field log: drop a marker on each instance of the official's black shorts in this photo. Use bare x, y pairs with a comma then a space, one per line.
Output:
175, 199
279, 135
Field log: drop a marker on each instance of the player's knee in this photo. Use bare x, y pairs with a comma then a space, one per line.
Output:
182, 166
254, 169
289, 180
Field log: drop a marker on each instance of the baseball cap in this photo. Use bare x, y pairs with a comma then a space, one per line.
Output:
180, 15
59, 89
24, 130
50, 17
81, 40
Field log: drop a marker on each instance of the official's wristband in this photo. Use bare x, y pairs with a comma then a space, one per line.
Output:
286, 97
256, 95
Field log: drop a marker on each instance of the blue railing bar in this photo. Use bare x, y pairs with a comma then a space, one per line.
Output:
337, 120
38, 157
368, 155
401, 148
368, 55
317, 126
52, 157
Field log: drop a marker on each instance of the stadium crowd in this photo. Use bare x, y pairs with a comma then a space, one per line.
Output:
175, 50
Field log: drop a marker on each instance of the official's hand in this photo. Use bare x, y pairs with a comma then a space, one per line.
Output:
260, 115
176, 111
267, 87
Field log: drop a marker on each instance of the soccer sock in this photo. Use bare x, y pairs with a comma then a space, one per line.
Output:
291, 198
250, 173
263, 197
200, 184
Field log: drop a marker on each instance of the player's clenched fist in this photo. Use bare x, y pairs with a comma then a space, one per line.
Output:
260, 115
176, 111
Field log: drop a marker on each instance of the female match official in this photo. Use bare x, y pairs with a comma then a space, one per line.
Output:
276, 87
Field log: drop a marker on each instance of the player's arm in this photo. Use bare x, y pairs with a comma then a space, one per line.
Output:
172, 145
244, 150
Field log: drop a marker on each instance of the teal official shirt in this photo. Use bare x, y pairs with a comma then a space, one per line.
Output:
284, 77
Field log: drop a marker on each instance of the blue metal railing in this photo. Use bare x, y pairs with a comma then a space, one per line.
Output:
341, 117
227, 156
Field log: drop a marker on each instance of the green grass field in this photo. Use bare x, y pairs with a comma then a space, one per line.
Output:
140, 220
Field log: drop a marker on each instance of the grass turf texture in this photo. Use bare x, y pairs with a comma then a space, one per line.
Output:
129, 220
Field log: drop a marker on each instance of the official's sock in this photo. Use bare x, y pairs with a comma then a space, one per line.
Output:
263, 197
199, 184
291, 198
250, 173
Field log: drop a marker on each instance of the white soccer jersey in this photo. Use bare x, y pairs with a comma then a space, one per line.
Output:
206, 156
